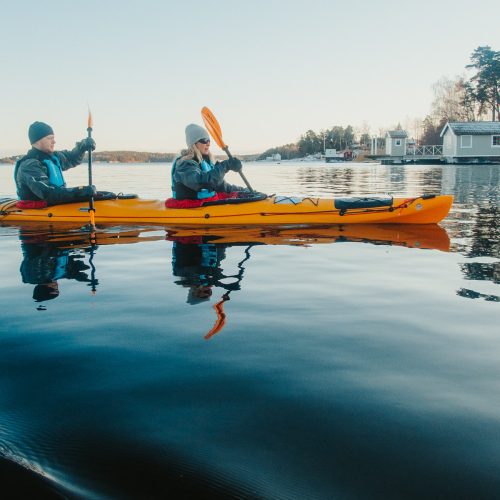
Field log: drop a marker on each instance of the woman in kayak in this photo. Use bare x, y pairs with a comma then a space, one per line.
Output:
196, 177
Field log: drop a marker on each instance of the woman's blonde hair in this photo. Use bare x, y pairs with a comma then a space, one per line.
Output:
193, 153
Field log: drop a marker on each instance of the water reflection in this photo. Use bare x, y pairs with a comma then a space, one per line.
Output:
349, 355
197, 261
45, 262
63, 252
479, 242
57, 253
485, 234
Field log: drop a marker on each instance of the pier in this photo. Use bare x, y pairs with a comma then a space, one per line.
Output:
463, 142
416, 154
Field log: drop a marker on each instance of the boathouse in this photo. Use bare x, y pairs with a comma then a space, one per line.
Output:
471, 142
395, 142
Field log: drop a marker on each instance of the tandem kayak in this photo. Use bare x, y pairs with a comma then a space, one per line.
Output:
271, 210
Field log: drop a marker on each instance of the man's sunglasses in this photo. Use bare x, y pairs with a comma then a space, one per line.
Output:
204, 141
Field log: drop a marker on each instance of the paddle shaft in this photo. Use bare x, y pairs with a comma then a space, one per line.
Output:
91, 199
229, 155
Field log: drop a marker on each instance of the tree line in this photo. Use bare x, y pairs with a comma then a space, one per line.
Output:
132, 157
466, 99
310, 143
116, 157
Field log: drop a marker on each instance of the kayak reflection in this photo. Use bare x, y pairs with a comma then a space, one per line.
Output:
61, 252
45, 263
198, 254
196, 260
426, 236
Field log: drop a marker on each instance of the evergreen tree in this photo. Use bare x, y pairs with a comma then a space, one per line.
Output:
485, 84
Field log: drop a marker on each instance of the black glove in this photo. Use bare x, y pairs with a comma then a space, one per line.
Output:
86, 144
234, 164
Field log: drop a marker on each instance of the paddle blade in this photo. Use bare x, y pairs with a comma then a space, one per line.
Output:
220, 321
89, 120
213, 127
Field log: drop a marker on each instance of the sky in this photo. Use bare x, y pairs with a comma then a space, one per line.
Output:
268, 69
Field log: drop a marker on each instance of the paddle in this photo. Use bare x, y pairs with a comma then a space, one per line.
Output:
219, 307
91, 197
215, 131
221, 317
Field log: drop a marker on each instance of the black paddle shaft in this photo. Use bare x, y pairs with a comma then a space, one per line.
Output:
91, 197
229, 155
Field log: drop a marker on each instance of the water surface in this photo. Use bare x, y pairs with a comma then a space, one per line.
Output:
338, 363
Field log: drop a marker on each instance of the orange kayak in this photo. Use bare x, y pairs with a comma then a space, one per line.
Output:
273, 210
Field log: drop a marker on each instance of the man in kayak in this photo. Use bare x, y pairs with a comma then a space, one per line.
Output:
38, 174
196, 177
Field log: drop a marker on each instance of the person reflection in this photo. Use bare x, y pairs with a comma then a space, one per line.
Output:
45, 263
196, 260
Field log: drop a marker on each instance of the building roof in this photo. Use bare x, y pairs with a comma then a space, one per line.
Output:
473, 128
397, 134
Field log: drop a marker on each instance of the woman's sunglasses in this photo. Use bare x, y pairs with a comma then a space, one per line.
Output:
204, 141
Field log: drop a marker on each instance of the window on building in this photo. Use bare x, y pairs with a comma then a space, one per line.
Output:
466, 141
495, 140
398, 142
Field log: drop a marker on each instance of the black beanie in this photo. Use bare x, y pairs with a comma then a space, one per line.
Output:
44, 292
39, 130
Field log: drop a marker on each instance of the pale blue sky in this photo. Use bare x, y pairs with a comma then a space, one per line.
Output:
268, 69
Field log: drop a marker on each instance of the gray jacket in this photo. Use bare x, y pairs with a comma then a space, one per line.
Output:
32, 177
189, 174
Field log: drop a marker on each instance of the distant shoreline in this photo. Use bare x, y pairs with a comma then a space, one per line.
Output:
131, 157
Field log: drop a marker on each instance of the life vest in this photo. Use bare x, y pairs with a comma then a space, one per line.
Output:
208, 260
182, 192
55, 171
208, 255
61, 267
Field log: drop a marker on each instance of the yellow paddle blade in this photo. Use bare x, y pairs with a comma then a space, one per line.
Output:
213, 126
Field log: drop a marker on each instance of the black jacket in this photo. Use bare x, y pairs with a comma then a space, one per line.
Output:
32, 178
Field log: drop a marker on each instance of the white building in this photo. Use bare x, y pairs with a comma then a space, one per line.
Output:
395, 142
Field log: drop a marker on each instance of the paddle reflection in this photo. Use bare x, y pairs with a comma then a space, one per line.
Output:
198, 255
197, 261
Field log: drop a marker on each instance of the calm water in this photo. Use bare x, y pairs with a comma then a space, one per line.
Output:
348, 365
